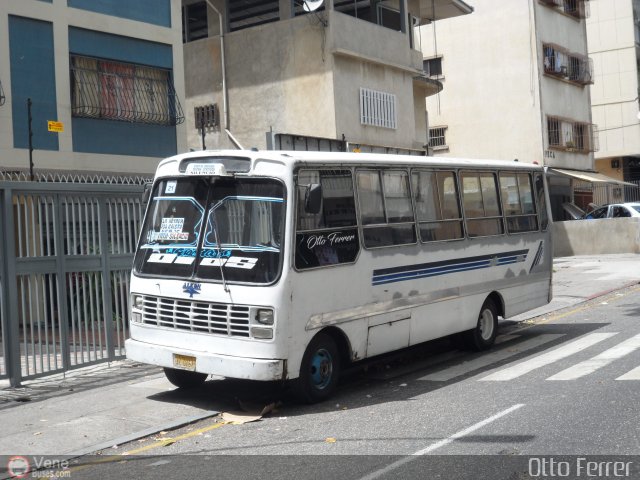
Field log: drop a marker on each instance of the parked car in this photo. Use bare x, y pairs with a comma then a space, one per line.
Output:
614, 210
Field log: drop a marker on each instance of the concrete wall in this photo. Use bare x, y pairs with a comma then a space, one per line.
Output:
614, 93
595, 237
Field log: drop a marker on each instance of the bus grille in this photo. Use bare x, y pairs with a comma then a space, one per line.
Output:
214, 318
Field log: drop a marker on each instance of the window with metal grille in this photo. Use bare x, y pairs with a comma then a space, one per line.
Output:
123, 92
378, 108
437, 137
571, 136
561, 63
575, 8
207, 117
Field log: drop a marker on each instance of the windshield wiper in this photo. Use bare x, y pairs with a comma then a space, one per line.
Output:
214, 227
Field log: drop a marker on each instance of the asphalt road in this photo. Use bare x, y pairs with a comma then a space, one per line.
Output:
558, 394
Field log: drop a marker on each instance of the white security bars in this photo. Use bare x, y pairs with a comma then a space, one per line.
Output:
378, 108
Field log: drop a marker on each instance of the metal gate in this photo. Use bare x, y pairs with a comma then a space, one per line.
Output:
65, 256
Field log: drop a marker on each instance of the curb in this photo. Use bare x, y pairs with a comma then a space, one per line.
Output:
611, 290
181, 422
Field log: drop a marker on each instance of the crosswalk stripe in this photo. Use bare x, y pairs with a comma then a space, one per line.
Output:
490, 358
527, 366
605, 358
631, 375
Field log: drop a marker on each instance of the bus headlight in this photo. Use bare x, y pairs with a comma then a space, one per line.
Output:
264, 316
138, 302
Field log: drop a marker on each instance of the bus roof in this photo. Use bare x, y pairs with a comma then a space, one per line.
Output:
293, 158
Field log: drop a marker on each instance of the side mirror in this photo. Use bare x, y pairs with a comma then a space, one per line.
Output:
313, 198
146, 194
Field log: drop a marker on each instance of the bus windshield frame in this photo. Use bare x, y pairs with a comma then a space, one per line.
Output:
214, 229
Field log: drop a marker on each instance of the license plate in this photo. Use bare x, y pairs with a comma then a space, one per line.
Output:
184, 362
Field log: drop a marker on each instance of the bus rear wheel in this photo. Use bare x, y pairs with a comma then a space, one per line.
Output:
185, 378
484, 334
319, 370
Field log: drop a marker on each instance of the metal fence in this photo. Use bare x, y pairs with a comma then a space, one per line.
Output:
602, 194
65, 256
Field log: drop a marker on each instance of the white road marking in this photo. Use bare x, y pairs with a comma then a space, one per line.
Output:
631, 375
605, 358
559, 353
490, 358
441, 443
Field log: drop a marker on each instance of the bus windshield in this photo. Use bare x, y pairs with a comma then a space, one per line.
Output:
202, 229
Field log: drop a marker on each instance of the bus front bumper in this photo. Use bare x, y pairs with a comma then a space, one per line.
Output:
222, 365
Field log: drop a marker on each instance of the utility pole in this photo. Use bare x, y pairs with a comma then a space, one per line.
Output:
30, 139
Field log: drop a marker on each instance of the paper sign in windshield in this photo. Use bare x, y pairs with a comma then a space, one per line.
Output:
170, 229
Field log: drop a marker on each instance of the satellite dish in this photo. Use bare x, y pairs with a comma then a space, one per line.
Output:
311, 5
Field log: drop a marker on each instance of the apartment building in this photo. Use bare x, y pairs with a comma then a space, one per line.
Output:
516, 79
613, 33
90, 86
311, 75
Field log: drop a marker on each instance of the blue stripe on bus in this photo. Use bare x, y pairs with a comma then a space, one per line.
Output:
423, 270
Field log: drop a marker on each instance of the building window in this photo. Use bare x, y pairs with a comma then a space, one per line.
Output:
207, 117
252, 13
561, 63
432, 67
194, 22
574, 8
437, 138
123, 92
571, 136
377, 108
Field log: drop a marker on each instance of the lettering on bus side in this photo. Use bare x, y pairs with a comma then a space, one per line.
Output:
322, 248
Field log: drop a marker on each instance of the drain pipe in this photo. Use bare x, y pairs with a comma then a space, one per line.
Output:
225, 108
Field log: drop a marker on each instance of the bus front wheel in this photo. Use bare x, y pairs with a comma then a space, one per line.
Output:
319, 370
484, 334
185, 378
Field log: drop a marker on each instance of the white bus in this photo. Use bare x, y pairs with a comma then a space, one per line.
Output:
290, 265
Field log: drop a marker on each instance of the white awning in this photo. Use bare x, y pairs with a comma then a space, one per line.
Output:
592, 177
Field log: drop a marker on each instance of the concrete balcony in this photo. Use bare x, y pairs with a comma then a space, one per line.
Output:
352, 37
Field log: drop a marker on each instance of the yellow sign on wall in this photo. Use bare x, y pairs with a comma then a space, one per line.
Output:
54, 126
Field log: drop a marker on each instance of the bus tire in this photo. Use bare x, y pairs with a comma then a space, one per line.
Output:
185, 378
319, 370
484, 334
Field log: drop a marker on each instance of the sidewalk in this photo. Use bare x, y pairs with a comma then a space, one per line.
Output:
99, 407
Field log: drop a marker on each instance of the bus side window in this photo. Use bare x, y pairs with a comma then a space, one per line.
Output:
437, 208
480, 202
385, 208
329, 237
518, 202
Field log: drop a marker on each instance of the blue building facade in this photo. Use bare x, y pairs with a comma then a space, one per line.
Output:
109, 70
